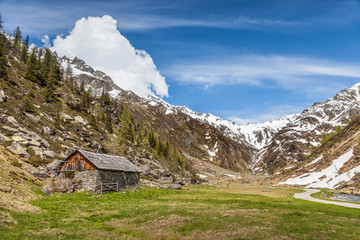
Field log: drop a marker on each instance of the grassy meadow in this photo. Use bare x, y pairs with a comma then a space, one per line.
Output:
227, 211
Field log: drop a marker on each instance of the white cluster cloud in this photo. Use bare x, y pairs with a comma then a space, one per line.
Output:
99, 43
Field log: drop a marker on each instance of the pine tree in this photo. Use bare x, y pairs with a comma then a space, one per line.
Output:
49, 93
69, 76
57, 70
152, 140
33, 72
27, 106
166, 149
126, 123
24, 49
155, 155
108, 122
40, 53
3, 60
58, 115
85, 100
17, 37
46, 65
160, 147
93, 122
105, 99
82, 87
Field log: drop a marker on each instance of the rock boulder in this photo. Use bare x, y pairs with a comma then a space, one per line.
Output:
47, 189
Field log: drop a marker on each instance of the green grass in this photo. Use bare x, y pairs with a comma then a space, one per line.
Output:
194, 213
320, 195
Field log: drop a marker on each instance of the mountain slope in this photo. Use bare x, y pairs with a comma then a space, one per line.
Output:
43, 119
292, 143
267, 146
334, 164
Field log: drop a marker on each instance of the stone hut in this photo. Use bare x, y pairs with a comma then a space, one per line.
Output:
100, 172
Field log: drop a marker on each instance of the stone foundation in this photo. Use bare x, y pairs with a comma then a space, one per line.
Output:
91, 180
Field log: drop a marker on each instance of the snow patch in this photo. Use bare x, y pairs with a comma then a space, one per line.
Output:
328, 177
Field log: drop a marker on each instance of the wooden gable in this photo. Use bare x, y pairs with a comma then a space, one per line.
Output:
77, 162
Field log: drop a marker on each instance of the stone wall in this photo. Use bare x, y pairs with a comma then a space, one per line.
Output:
91, 180
125, 179
88, 180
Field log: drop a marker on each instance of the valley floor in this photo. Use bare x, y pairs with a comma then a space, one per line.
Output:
228, 210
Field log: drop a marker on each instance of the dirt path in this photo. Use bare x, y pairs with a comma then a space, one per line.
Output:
306, 196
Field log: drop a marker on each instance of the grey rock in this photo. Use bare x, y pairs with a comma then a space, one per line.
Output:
145, 170
53, 166
66, 118
18, 149
12, 120
37, 151
80, 120
3, 138
45, 143
160, 171
33, 143
32, 117
30, 169
67, 185
61, 184
10, 130
49, 154
173, 186
3, 97
48, 131
47, 189
154, 174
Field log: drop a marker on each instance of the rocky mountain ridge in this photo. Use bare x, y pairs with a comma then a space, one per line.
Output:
273, 144
334, 164
292, 144
277, 142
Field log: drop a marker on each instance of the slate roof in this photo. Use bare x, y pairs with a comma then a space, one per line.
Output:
109, 162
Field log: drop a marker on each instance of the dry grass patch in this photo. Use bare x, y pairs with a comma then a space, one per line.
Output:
17, 185
51, 232
238, 188
159, 228
233, 231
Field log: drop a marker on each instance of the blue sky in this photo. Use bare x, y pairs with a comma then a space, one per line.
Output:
246, 60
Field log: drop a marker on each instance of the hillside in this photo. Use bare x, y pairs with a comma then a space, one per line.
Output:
195, 138
333, 164
17, 185
54, 106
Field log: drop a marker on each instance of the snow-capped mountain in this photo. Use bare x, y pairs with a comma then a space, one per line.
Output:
278, 143
95, 80
274, 143
199, 140
256, 135
292, 143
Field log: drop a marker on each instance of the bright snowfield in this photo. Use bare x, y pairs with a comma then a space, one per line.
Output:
328, 177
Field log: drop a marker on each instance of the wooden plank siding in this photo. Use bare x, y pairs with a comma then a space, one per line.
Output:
77, 162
